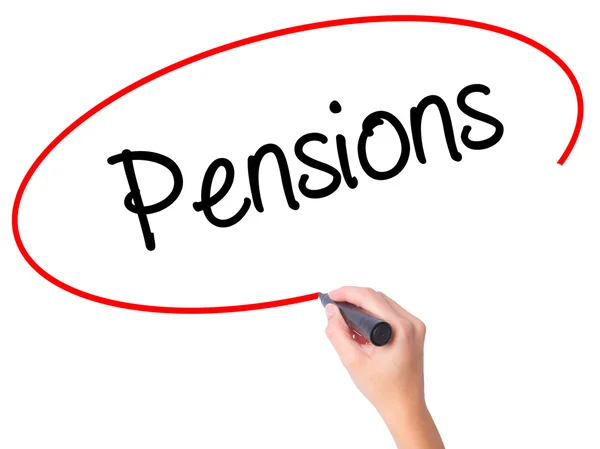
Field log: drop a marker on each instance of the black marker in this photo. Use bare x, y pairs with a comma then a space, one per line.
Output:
376, 331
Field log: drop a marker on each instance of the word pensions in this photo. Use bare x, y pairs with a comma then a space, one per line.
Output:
135, 204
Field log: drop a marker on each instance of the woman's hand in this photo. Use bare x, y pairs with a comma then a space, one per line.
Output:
391, 376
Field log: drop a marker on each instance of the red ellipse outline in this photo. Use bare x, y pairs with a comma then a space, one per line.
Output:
231, 46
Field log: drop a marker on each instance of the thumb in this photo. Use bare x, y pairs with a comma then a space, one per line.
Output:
340, 336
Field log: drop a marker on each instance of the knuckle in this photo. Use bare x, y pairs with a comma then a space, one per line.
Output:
331, 332
328, 332
420, 327
405, 330
370, 293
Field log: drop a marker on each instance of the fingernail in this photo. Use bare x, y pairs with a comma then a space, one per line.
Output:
329, 310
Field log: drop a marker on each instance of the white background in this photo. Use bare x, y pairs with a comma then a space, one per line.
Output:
498, 254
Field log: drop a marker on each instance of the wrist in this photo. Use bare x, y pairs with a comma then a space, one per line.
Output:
410, 424
402, 403
408, 411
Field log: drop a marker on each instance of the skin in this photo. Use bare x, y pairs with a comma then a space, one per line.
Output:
390, 377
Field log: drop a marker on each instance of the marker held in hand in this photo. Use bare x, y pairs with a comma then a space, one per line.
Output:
373, 329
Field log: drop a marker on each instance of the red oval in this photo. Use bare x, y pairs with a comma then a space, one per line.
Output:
231, 46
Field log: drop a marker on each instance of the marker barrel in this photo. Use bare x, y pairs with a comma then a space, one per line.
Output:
375, 330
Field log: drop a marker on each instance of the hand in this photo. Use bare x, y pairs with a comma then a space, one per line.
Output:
391, 376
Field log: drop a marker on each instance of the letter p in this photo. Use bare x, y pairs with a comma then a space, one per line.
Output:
133, 200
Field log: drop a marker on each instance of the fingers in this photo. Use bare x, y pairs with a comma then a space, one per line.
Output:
340, 336
418, 325
383, 307
360, 339
366, 298
397, 307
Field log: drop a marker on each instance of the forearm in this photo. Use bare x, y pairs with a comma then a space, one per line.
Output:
412, 427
